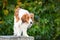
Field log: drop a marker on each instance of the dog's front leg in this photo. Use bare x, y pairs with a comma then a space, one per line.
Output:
17, 31
25, 33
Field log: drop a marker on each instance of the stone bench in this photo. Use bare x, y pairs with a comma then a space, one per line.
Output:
16, 38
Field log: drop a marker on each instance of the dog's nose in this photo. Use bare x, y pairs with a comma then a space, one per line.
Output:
30, 22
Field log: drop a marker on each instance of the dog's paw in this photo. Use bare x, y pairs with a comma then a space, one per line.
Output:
25, 35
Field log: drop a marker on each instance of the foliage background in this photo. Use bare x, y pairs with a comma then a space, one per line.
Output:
47, 17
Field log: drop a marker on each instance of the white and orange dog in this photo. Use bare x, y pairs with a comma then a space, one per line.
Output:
22, 21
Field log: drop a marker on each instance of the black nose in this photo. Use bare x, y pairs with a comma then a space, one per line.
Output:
30, 22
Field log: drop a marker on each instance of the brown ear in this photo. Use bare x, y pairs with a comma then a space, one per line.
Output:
32, 16
23, 18
16, 14
16, 11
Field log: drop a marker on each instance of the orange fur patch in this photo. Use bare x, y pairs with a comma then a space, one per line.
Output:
16, 14
25, 18
32, 16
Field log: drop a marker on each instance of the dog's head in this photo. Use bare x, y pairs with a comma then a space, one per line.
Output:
28, 18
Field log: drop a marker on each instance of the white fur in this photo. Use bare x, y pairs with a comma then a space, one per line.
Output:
19, 27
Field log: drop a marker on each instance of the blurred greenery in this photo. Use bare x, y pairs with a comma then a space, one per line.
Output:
47, 17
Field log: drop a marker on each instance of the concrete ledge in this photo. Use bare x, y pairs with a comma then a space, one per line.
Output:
16, 38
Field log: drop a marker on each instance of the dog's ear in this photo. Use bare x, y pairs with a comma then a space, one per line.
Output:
16, 14
23, 18
32, 16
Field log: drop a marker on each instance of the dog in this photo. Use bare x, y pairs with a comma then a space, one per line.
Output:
23, 20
